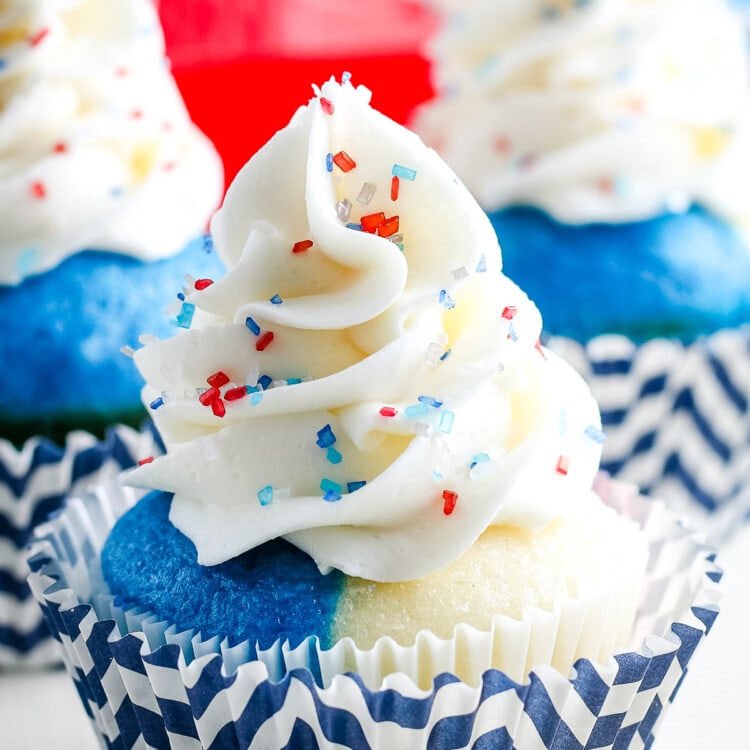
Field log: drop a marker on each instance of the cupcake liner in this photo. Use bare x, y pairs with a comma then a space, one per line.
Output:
677, 418
144, 684
34, 481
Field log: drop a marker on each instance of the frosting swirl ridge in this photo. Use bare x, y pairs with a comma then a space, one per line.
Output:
364, 381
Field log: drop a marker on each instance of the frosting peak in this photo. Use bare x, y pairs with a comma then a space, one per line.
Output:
364, 381
97, 150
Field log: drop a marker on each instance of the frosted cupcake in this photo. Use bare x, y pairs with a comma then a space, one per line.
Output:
105, 191
362, 434
608, 143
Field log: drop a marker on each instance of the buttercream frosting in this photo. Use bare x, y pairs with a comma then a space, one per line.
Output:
376, 394
604, 110
96, 147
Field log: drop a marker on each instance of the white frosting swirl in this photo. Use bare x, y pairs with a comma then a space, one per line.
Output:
364, 325
604, 110
96, 147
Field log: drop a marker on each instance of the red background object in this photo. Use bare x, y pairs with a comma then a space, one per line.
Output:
244, 66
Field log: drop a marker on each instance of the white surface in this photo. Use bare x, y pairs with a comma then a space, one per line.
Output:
41, 710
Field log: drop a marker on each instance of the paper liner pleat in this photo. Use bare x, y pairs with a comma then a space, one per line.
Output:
155, 687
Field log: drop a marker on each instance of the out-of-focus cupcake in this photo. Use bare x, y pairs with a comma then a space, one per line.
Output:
106, 188
609, 143
365, 416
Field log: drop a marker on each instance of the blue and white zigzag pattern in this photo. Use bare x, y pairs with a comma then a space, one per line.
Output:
33, 484
677, 416
141, 695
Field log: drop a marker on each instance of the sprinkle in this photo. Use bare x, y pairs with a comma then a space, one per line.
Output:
346, 76
562, 422
255, 399
263, 341
449, 501
388, 227
38, 190
436, 475
594, 433
430, 401
446, 300
293, 381
276, 300
264, 381
147, 460
446, 421
209, 395
185, 317
235, 394
482, 265
329, 162
332, 490
156, 403
37, 38
128, 351
301, 246
433, 354
416, 410
480, 458
344, 210
60, 148
501, 144
355, 226
404, 173
344, 162
326, 438
512, 335
395, 185
366, 193
539, 348
252, 326
354, 486
180, 296
445, 355
265, 495
218, 379
201, 284
370, 222
218, 408
509, 312
326, 105
208, 243
460, 273
563, 464
333, 456
388, 411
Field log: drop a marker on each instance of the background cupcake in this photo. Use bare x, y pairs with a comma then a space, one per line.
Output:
105, 191
366, 384
608, 142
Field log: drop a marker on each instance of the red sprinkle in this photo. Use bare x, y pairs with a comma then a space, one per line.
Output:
263, 340
538, 347
209, 396
145, 461
122, 71
510, 312
395, 185
501, 144
202, 284
449, 501
136, 114
388, 227
38, 190
218, 379
371, 222
60, 147
388, 411
301, 246
218, 408
326, 105
36, 38
235, 394
344, 162
605, 184
563, 464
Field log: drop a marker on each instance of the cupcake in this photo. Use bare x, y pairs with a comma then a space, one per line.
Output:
374, 522
608, 144
105, 193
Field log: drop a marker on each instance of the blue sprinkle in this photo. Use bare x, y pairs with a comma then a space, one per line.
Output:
346, 76
356, 227
597, 435
116, 192
446, 300
264, 381
480, 458
329, 162
3, 63
156, 403
333, 456
354, 486
326, 437
562, 422
446, 421
251, 389
437, 475
512, 332
430, 401
276, 300
185, 318
293, 381
265, 496
208, 243
445, 355
331, 496
416, 410
404, 173
252, 326
180, 296
482, 265
256, 398
332, 491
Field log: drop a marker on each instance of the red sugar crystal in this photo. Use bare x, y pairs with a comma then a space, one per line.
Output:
37, 38
60, 147
235, 394
38, 190
344, 162
212, 394
388, 227
218, 408
218, 379
388, 411
301, 246
510, 312
370, 222
202, 284
563, 464
449, 501
326, 105
145, 460
395, 185
264, 340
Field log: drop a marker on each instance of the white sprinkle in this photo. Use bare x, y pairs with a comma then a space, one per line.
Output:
366, 193
460, 273
344, 209
127, 351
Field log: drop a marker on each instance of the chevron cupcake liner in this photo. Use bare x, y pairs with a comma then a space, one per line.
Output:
146, 685
677, 418
33, 483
